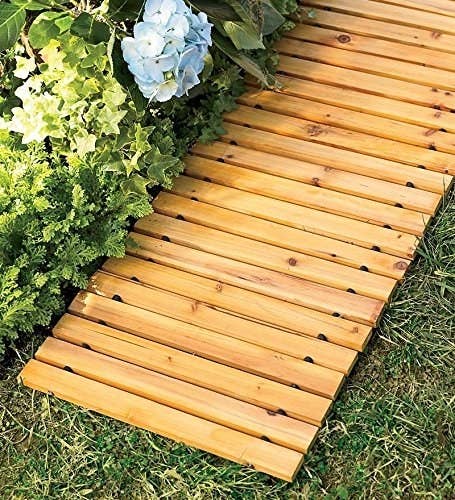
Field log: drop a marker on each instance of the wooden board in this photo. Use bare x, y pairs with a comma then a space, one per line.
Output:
165, 420
434, 121
245, 298
432, 97
382, 38
353, 120
317, 175
396, 14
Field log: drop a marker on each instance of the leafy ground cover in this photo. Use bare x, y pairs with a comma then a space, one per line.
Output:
97, 109
391, 433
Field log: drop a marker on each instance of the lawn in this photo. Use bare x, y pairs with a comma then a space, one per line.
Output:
391, 433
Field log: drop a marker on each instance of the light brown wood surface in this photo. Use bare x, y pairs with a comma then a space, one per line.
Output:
224, 410
164, 420
322, 176
246, 295
245, 303
198, 371
432, 97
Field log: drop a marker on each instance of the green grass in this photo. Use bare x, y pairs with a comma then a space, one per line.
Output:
391, 433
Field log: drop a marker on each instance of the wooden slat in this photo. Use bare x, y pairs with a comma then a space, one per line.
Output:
432, 97
430, 119
336, 137
224, 410
421, 43
277, 234
245, 297
358, 308
333, 226
395, 14
205, 343
261, 308
376, 65
443, 7
197, 313
331, 157
347, 40
326, 177
320, 274
348, 119
238, 384
301, 194
194, 431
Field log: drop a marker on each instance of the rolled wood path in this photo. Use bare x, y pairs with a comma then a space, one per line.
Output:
233, 321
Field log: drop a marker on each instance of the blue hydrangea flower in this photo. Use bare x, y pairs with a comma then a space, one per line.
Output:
166, 53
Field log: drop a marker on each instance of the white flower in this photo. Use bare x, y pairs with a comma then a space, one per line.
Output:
159, 11
24, 66
168, 49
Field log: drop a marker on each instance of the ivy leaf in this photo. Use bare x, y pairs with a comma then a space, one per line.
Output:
12, 21
90, 29
136, 184
46, 27
243, 35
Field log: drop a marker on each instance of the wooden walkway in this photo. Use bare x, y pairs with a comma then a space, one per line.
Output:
233, 322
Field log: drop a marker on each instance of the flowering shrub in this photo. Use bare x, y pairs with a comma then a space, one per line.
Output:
168, 49
85, 137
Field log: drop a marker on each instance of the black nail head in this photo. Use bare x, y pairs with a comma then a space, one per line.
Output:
351, 290
364, 268
165, 238
68, 369
281, 412
336, 315
86, 346
308, 359
321, 336
410, 184
180, 217
375, 248
117, 298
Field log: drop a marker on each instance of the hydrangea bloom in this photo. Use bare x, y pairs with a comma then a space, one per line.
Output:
166, 53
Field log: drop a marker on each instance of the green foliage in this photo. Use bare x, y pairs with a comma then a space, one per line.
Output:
12, 20
56, 219
390, 435
80, 148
